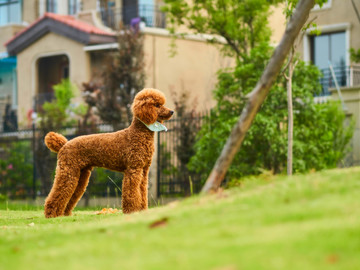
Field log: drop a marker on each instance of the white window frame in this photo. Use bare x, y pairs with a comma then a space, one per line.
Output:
327, 29
42, 7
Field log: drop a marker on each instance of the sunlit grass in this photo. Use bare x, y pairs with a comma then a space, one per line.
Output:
304, 222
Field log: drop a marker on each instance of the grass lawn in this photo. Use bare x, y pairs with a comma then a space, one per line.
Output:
304, 222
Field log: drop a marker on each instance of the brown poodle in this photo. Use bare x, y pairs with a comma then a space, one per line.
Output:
129, 151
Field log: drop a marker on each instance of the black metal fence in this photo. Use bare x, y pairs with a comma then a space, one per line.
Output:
26, 172
175, 148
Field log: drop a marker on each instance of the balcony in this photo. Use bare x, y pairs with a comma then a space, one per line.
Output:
346, 76
150, 15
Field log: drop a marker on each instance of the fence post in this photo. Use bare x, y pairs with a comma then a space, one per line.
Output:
34, 162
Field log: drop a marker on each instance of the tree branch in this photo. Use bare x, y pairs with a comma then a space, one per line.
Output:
356, 10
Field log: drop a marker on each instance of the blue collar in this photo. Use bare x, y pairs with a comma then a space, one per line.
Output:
157, 126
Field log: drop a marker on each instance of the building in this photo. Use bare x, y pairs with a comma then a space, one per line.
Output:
44, 41
339, 27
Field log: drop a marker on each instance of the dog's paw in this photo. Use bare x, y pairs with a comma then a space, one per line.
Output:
68, 214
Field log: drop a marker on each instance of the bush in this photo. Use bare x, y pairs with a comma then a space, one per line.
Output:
16, 170
320, 138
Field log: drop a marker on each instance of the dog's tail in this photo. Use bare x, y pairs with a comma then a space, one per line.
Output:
55, 141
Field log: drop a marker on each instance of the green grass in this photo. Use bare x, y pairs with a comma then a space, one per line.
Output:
304, 222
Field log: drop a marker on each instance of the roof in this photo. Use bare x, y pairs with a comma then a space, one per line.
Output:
64, 25
83, 26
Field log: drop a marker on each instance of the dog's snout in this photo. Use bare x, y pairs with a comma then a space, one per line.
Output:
171, 112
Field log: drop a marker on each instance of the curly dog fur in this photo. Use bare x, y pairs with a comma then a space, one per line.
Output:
129, 151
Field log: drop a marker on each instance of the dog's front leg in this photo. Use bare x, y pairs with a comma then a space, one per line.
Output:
131, 200
144, 189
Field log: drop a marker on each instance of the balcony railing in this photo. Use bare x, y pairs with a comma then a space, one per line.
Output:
150, 15
346, 76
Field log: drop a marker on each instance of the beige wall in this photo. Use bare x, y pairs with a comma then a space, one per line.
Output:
192, 69
88, 5
340, 16
7, 32
30, 10
277, 23
49, 45
351, 97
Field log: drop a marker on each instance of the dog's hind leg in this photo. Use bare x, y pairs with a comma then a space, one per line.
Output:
131, 200
65, 183
79, 191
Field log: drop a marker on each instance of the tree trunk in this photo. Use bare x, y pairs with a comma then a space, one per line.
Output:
290, 116
257, 96
291, 68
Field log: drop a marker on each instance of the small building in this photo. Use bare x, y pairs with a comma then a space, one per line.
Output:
49, 50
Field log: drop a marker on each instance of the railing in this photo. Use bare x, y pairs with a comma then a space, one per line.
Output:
175, 148
150, 15
346, 76
20, 169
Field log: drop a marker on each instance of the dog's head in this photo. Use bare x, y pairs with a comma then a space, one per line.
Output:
148, 106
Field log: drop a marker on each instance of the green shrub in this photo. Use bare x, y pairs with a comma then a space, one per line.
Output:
17, 169
320, 137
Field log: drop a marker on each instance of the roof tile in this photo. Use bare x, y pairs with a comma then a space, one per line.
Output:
80, 25
68, 20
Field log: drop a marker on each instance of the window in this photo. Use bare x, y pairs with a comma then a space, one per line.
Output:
51, 6
326, 49
10, 11
146, 11
74, 6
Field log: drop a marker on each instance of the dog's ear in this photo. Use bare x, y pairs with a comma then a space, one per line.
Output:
144, 111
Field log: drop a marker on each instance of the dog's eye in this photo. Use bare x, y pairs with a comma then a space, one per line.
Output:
157, 105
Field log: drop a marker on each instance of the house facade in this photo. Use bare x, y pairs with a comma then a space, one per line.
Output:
57, 52
339, 27
41, 44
